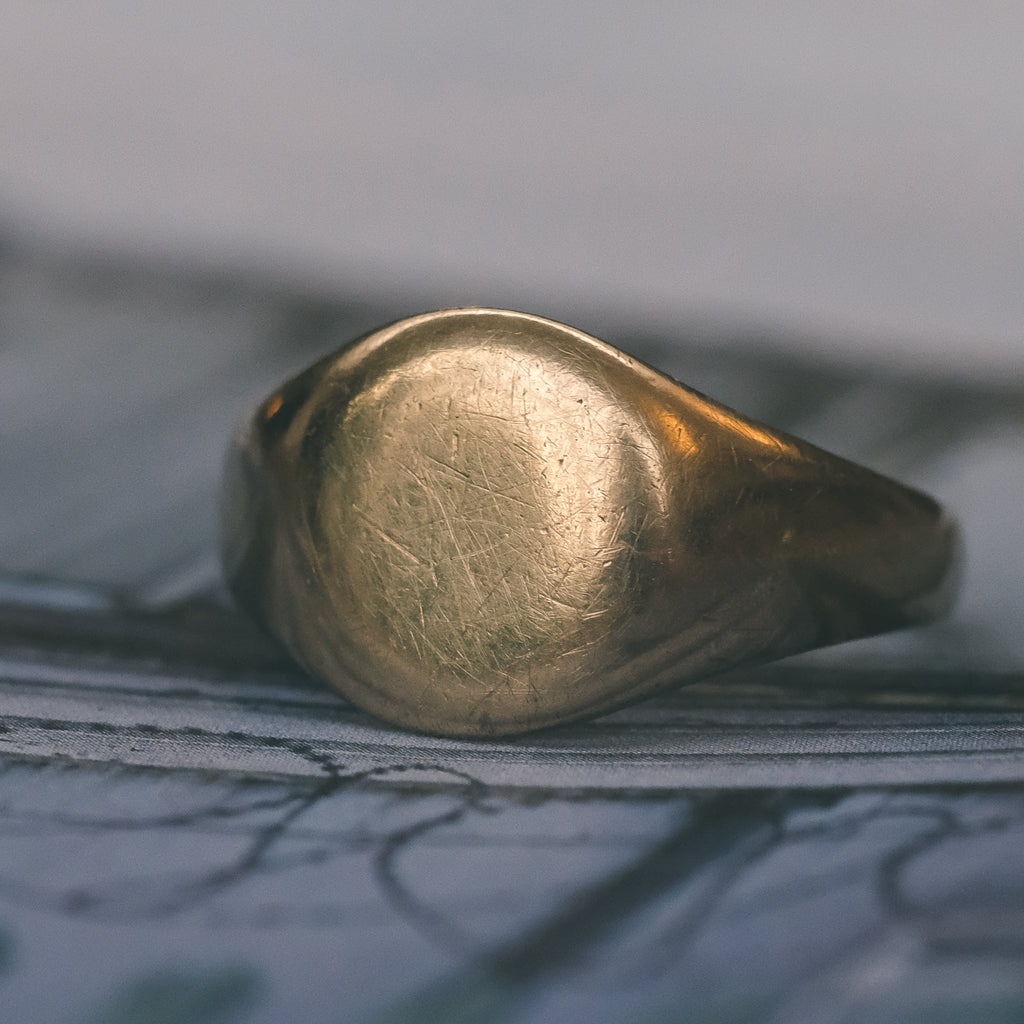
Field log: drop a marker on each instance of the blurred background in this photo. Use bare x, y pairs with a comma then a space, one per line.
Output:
848, 177
814, 212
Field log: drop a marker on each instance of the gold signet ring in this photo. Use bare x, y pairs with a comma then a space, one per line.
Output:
477, 522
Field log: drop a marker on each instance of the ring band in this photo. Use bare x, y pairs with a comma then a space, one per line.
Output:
477, 522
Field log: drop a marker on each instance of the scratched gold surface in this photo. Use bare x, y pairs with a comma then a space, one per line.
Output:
478, 522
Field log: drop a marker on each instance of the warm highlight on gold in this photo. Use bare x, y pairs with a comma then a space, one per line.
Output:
478, 522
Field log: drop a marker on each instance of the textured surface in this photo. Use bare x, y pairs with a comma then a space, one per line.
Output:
193, 829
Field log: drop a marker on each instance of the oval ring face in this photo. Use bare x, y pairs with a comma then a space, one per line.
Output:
482, 518
479, 522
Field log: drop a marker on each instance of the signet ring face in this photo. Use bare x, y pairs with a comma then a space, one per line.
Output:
477, 522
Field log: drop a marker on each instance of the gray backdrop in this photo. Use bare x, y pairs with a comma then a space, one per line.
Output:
812, 213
